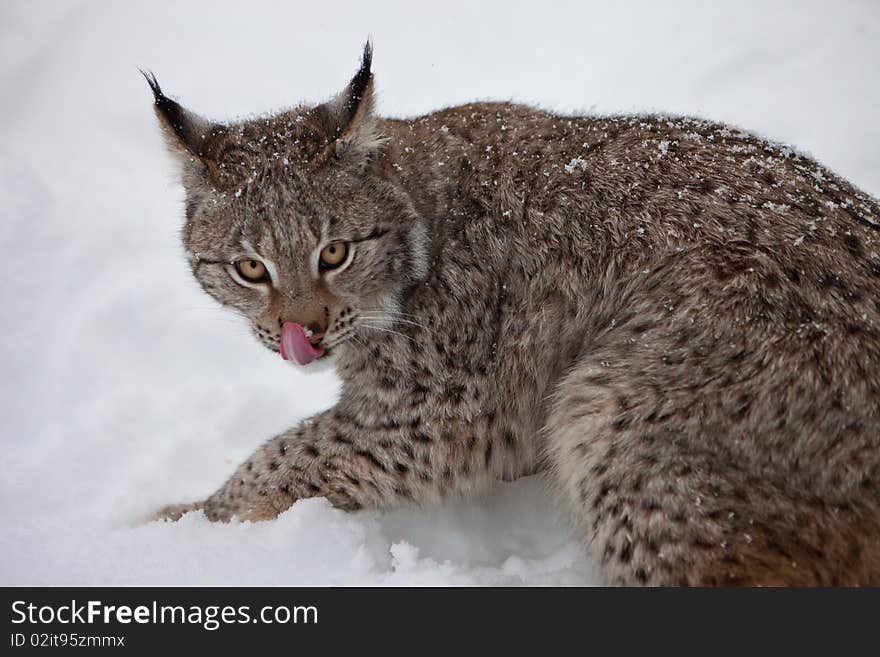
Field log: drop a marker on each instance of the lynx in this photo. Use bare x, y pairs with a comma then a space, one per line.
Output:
676, 321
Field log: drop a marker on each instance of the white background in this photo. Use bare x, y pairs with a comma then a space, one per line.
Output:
123, 387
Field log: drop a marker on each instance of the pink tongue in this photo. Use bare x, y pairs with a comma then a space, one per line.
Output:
295, 344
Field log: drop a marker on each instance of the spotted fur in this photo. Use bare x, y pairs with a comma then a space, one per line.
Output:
675, 319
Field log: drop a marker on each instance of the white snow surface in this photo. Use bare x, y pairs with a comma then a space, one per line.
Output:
124, 387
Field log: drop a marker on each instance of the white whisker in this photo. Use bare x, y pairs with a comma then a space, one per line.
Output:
376, 328
396, 319
386, 311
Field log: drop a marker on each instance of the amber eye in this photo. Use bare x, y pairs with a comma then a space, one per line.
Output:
333, 255
253, 271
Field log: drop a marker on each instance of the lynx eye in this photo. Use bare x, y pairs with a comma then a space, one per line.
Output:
333, 255
253, 271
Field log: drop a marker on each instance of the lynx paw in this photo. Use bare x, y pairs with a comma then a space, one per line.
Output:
174, 512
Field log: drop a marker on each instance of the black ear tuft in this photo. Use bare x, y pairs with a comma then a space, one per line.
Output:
348, 103
171, 111
165, 104
191, 131
353, 130
361, 79
154, 84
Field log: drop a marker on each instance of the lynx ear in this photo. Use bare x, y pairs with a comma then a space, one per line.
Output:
353, 126
187, 134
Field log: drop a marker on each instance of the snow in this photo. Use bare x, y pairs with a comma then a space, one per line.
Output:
124, 388
576, 163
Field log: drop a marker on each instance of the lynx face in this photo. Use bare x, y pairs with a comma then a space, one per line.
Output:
293, 222
321, 252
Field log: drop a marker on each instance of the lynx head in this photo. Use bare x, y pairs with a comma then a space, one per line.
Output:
295, 220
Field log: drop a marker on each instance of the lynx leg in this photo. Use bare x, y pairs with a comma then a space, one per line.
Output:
358, 466
657, 512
